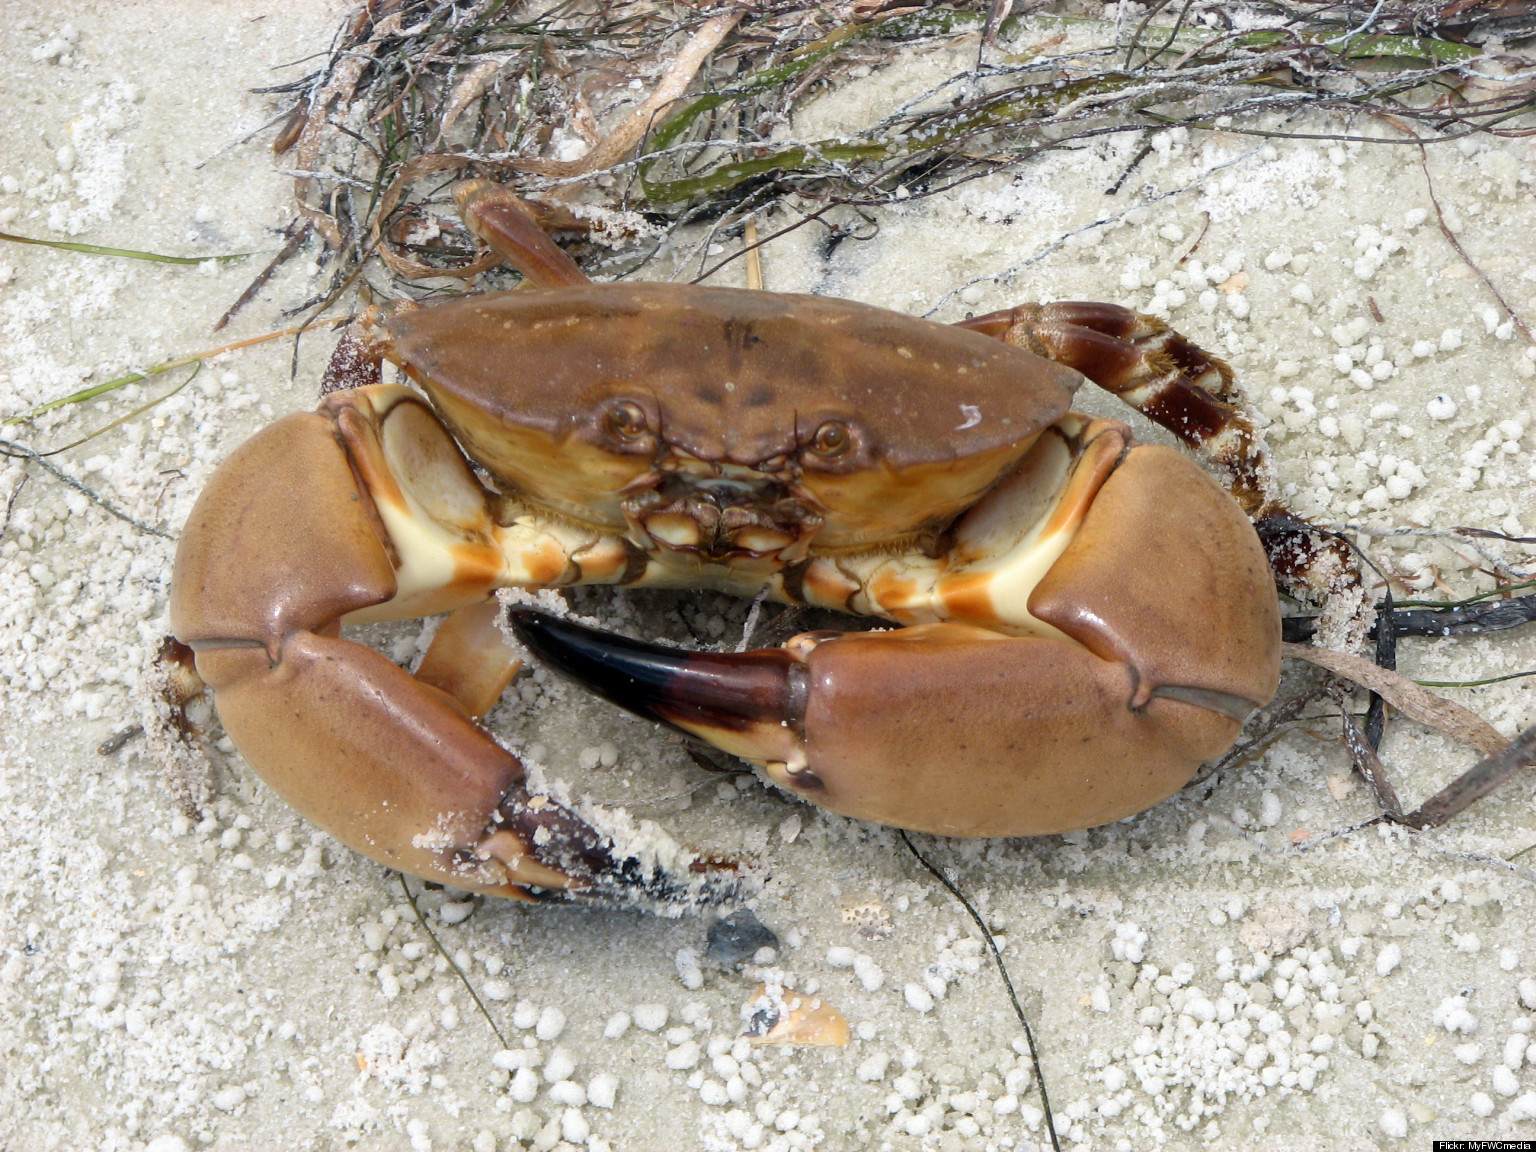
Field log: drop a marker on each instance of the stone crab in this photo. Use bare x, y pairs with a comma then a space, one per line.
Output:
1087, 619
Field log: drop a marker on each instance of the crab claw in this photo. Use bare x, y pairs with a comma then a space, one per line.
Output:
942, 728
961, 730
747, 704
285, 543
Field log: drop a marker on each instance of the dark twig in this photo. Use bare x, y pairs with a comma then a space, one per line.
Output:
1445, 230
1490, 534
1367, 763
1475, 783
22, 452
1386, 657
1130, 166
1002, 970
1450, 620
295, 240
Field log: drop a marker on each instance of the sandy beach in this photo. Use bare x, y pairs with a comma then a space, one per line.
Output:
247, 982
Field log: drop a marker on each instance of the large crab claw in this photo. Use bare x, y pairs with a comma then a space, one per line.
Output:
282, 545
1163, 639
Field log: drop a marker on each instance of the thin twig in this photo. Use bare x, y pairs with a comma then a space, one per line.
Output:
1002, 970
22, 452
10, 502
298, 237
443, 952
1445, 230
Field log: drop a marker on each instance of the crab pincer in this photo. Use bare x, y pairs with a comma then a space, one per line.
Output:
282, 545
1154, 644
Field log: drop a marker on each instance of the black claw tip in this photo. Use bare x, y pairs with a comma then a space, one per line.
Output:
687, 690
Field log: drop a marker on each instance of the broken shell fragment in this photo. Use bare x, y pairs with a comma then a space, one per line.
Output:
869, 916
779, 1015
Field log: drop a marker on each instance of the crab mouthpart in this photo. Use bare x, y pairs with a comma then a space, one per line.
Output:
748, 704
721, 513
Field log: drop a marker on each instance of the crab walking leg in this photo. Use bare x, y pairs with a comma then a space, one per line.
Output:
502, 222
1167, 378
470, 659
1178, 385
954, 728
392, 765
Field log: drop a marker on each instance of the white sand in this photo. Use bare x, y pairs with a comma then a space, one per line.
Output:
249, 983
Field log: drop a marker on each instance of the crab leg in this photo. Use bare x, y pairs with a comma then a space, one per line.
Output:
1183, 388
1164, 376
470, 659
502, 222
282, 546
1108, 707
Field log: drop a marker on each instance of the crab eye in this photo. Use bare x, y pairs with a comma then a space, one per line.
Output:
626, 420
832, 440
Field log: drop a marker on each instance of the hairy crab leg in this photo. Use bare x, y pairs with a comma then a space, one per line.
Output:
1155, 370
1103, 684
1183, 388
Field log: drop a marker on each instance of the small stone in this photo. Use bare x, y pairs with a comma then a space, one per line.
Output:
869, 973
559, 1066
683, 1057
873, 1068
569, 1093
735, 939
1505, 1083
617, 1025
602, 1089
650, 1017
574, 1127
1387, 960
550, 1024
1394, 1123
524, 1086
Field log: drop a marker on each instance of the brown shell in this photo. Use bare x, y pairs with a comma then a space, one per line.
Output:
730, 375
